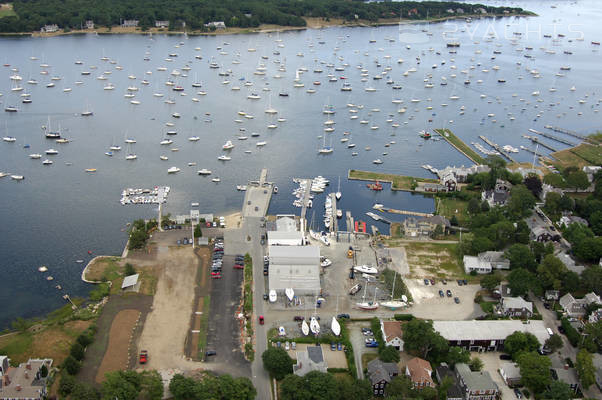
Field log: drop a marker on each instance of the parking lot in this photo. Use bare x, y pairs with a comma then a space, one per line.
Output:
429, 304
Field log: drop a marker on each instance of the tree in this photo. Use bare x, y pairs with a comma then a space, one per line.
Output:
570, 282
585, 368
576, 178
589, 249
594, 334
151, 386
84, 391
520, 342
540, 249
44, 371
438, 231
558, 390
71, 365
520, 281
490, 281
550, 272
473, 207
419, 336
119, 385
476, 364
66, 384
485, 206
521, 256
389, 354
129, 269
353, 389
182, 388
535, 371
521, 201
533, 183
428, 393
554, 343
77, 351
292, 388
457, 355
277, 362
453, 221
400, 386
197, 231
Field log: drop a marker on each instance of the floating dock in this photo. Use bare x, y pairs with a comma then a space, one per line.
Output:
349, 220
377, 217
566, 132
305, 201
536, 140
406, 212
334, 224
553, 137
498, 148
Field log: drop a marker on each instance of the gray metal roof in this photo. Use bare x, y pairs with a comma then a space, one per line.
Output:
130, 281
489, 330
475, 380
315, 353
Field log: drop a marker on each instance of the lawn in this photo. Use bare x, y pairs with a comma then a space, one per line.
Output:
460, 145
104, 269
204, 326
448, 207
398, 182
396, 230
51, 341
6, 10
439, 259
579, 156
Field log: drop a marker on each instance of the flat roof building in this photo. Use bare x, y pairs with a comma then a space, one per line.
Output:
296, 267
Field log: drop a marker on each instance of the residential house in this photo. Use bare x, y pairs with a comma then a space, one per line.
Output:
161, 24
545, 189
420, 372
453, 391
595, 316
567, 220
24, 382
481, 10
486, 262
570, 264
129, 23
516, 307
380, 374
89, 24
499, 195
450, 182
476, 385
576, 307
552, 295
502, 290
216, 25
510, 372
568, 376
590, 171
461, 173
392, 334
459, 11
431, 187
49, 28
424, 226
312, 359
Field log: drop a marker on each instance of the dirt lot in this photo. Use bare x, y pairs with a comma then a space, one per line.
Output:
167, 325
117, 355
428, 303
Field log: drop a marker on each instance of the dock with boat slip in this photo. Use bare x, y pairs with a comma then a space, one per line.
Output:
258, 196
498, 148
537, 141
553, 137
566, 132
306, 198
404, 212
334, 225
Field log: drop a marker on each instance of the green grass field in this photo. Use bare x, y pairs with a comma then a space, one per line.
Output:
6, 10
398, 182
448, 207
456, 141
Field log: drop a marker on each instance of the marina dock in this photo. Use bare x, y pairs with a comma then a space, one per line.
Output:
498, 148
377, 217
566, 132
258, 196
459, 145
350, 222
534, 139
306, 199
405, 212
334, 226
553, 137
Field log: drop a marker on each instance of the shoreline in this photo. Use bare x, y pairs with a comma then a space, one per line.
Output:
312, 23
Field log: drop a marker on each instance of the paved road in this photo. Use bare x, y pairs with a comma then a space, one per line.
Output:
567, 351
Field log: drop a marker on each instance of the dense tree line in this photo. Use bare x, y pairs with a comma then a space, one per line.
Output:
33, 14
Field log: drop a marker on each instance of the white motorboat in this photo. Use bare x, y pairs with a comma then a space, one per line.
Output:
52, 152
204, 171
326, 263
47, 162
314, 326
228, 145
173, 170
9, 139
216, 180
35, 156
224, 157
281, 331
261, 144
163, 158
305, 328
166, 142
272, 296
290, 293
335, 326
17, 177
365, 269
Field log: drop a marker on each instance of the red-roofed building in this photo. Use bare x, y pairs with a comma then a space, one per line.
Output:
392, 334
420, 371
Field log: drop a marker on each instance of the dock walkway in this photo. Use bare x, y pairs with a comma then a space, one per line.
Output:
553, 137
498, 148
566, 132
306, 199
258, 196
334, 226
406, 212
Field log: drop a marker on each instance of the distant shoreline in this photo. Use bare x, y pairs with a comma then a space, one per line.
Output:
312, 23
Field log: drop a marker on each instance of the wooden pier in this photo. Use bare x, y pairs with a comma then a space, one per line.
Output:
305, 198
405, 212
498, 148
334, 225
377, 217
350, 221
553, 137
534, 139
566, 132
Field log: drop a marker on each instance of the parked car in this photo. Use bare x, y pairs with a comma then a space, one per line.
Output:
339, 346
333, 346
266, 297
443, 281
505, 357
341, 316
216, 276
561, 329
460, 282
441, 294
210, 353
261, 320
298, 318
457, 300
373, 343
287, 346
517, 393
449, 293
239, 266
432, 281
143, 357
426, 282
464, 282
294, 345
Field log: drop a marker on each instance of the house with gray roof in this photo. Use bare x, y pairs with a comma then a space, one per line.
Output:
453, 391
576, 307
510, 372
499, 195
380, 374
309, 360
516, 307
485, 262
424, 226
570, 264
476, 385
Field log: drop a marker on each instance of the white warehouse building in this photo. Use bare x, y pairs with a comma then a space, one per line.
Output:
296, 267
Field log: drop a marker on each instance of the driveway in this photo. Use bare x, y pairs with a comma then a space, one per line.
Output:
491, 363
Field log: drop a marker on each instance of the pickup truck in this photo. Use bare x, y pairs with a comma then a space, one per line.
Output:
143, 357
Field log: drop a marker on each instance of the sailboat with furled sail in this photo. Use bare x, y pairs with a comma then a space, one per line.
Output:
394, 304
368, 305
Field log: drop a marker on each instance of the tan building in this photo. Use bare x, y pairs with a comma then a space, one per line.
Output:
24, 382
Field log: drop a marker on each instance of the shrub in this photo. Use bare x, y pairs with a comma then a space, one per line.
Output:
71, 365
85, 339
67, 384
77, 351
403, 317
44, 371
129, 269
